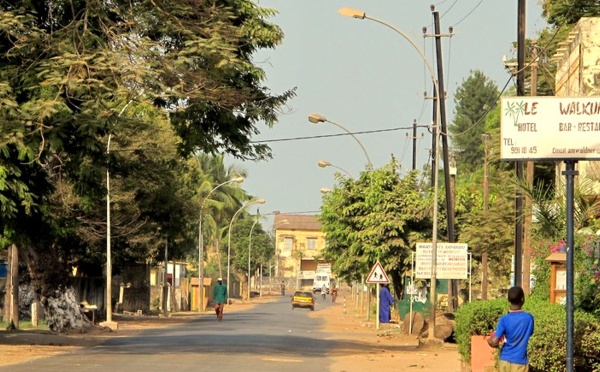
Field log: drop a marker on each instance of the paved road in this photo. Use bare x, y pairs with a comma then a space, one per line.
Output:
268, 337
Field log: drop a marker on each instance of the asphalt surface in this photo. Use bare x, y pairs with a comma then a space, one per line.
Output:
269, 337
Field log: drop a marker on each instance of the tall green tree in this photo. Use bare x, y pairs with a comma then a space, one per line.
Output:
377, 217
474, 98
74, 74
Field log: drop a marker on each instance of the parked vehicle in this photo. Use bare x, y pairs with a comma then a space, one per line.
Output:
303, 299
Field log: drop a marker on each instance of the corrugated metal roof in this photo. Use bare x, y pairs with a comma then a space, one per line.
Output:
304, 222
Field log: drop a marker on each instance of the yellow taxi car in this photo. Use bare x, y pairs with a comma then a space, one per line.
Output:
303, 299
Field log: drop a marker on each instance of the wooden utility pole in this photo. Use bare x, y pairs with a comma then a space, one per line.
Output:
486, 203
528, 202
452, 284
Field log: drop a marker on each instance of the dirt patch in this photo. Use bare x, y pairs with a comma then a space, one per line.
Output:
384, 349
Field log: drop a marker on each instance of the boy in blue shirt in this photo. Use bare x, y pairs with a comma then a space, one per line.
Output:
515, 327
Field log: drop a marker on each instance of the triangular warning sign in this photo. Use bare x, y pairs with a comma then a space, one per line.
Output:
377, 275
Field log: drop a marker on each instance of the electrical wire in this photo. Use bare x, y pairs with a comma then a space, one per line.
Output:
544, 49
468, 14
335, 135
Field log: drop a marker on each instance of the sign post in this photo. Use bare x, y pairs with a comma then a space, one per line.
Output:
377, 276
554, 128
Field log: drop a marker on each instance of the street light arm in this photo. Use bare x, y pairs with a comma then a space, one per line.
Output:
253, 201
356, 139
414, 45
201, 242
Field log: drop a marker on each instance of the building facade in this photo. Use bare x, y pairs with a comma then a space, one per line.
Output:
299, 242
578, 74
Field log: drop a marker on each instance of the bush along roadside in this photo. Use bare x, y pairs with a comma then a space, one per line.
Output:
547, 347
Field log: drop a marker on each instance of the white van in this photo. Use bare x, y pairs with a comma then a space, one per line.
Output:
321, 279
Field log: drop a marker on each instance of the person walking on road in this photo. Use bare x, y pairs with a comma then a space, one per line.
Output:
385, 301
514, 329
220, 297
334, 292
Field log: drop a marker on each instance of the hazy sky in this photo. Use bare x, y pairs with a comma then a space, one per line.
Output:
366, 77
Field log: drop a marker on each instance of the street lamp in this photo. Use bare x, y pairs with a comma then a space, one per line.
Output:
253, 201
201, 242
316, 119
109, 322
325, 190
349, 12
250, 251
325, 163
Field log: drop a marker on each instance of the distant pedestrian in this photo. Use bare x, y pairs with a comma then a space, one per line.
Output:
385, 301
515, 329
334, 292
220, 297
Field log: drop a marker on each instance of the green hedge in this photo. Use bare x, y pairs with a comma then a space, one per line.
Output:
476, 318
547, 346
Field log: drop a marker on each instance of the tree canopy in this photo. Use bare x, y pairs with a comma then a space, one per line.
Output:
476, 96
377, 217
127, 89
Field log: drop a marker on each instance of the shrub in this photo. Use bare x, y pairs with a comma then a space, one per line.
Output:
547, 347
476, 318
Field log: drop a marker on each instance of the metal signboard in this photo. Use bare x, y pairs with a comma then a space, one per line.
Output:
452, 261
560, 128
377, 275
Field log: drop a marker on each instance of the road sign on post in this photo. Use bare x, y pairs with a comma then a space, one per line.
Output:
377, 275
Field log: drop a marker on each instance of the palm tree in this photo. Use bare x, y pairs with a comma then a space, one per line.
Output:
223, 202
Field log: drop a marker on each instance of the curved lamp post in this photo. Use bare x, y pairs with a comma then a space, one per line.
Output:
325, 164
201, 242
250, 251
316, 119
349, 12
253, 201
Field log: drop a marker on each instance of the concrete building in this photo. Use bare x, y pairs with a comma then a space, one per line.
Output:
578, 74
299, 242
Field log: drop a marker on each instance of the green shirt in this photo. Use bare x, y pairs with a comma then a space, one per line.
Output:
220, 293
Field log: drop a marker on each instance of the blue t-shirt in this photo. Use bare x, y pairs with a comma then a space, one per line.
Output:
516, 327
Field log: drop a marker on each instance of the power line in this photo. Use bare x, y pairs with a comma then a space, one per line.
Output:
468, 14
335, 135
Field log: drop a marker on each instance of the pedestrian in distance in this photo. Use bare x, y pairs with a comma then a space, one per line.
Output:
385, 301
334, 292
220, 297
512, 334
323, 292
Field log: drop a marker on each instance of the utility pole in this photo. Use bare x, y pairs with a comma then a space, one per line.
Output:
165, 282
486, 203
434, 167
414, 144
528, 202
414, 138
518, 269
453, 285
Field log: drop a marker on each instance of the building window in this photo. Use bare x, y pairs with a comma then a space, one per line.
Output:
288, 244
311, 243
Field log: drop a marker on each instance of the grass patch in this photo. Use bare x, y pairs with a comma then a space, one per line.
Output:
25, 325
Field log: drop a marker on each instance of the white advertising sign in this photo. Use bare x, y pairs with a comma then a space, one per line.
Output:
560, 128
452, 261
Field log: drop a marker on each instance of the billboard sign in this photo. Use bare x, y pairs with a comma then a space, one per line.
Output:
452, 261
541, 128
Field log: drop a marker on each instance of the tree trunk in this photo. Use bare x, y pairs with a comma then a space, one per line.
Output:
50, 281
